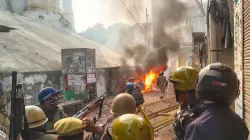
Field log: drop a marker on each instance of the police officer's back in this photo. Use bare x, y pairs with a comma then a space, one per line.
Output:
218, 87
135, 92
36, 120
123, 103
131, 127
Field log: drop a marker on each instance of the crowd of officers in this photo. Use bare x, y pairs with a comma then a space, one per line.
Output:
204, 112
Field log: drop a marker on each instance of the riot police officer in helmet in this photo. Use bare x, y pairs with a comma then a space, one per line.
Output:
218, 87
184, 79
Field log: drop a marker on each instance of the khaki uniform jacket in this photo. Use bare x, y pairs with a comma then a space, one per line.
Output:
53, 117
36, 135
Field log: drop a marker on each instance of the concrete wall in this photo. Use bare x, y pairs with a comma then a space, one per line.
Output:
79, 72
196, 19
18, 6
52, 19
238, 46
100, 81
46, 5
6, 5
57, 14
33, 83
67, 12
117, 77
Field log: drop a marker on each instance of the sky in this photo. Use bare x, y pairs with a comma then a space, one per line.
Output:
89, 12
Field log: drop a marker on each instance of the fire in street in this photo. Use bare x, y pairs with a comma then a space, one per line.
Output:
150, 78
147, 81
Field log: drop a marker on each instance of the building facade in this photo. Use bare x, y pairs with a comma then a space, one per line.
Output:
57, 14
191, 34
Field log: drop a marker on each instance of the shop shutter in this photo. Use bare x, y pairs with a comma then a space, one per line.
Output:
246, 57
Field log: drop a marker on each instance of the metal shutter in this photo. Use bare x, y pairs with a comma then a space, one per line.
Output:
246, 60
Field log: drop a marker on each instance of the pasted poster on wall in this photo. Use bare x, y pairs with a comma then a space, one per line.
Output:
76, 64
74, 61
91, 78
76, 83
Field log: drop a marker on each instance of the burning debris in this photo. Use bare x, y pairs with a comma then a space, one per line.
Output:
168, 14
151, 60
150, 78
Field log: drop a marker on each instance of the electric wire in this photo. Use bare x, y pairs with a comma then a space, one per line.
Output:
136, 11
132, 16
200, 7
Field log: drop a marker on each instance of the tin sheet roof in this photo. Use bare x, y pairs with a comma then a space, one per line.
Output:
36, 47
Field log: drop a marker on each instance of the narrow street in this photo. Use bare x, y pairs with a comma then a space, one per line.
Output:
165, 132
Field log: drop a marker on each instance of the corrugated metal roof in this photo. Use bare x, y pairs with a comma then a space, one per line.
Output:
36, 47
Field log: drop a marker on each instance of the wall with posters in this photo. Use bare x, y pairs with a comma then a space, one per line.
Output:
33, 83
238, 53
79, 73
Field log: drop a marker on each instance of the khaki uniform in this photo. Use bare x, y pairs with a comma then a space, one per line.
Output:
36, 135
53, 117
162, 84
107, 129
4, 121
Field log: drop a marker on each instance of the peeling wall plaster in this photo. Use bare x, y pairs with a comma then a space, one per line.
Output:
34, 82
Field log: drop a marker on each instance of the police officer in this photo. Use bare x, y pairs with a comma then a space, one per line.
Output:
131, 127
135, 92
122, 104
162, 83
49, 99
3, 133
129, 87
36, 120
4, 121
218, 87
71, 129
184, 79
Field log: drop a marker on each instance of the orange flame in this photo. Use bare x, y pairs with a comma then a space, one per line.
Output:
150, 77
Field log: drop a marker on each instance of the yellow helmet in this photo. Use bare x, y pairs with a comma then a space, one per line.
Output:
35, 116
123, 103
69, 127
184, 78
131, 127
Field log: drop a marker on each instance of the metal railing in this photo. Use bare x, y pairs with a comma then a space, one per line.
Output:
159, 113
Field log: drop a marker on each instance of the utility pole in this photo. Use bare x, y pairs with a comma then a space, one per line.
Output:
147, 30
213, 40
215, 49
146, 25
